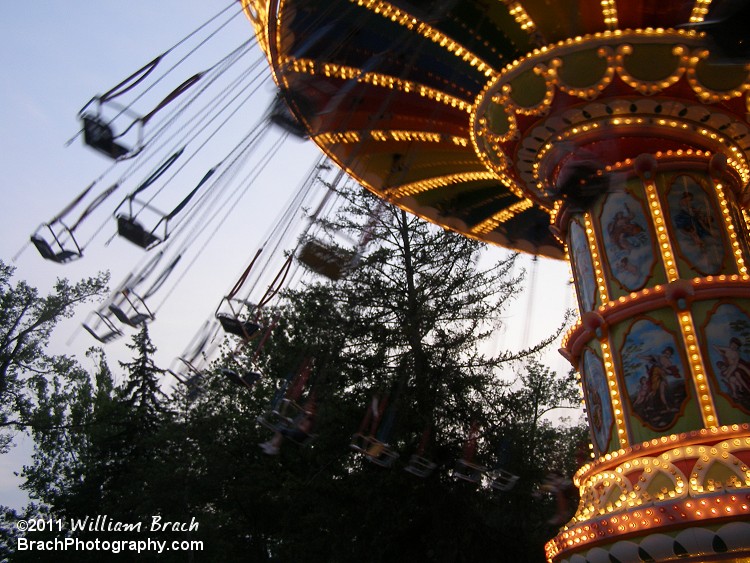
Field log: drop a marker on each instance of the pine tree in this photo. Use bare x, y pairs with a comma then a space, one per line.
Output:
141, 394
410, 324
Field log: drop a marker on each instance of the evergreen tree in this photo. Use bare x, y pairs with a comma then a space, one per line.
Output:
409, 324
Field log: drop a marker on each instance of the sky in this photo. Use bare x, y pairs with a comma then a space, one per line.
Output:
55, 56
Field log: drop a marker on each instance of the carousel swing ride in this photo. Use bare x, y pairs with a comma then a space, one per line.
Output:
614, 135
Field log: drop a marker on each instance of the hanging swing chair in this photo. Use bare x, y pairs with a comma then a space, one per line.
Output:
324, 259
192, 383
372, 441
500, 478
99, 134
466, 469
131, 309
63, 247
55, 251
232, 324
419, 465
103, 329
299, 430
284, 407
282, 116
233, 319
132, 230
247, 379
188, 371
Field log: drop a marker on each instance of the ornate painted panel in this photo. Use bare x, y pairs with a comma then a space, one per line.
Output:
627, 240
696, 226
598, 401
584, 267
728, 343
654, 374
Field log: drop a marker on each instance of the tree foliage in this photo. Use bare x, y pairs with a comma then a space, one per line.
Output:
410, 326
26, 323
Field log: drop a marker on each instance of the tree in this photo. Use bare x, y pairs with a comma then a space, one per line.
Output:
26, 323
409, 324
107, 449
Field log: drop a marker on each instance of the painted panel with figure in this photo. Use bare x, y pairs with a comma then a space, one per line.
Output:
654, 374
728, 342
627, 240
584, 268
695, 225
598, 401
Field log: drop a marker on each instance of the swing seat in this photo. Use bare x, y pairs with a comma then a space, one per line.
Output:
502, 480
245, 380
233, 325
277, 418
360, 443
132, 230
48, 253
380, 453
282, 116
134, 321
374, 450
468, 471
99, 135
420, 466
108, 336
326, 261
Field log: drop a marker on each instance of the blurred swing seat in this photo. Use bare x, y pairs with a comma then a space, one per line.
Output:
468, 471
281, 416
60, 256
132, 230
140, 311
502, 480
282, 116
109, 333
420, 466
247, 379
234, 325
328, 261
99, 135
374, 450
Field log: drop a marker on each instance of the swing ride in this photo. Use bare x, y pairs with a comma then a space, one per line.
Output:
614, 134
611, 134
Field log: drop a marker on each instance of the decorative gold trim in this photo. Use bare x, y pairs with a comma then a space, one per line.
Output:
402, 18
312, 67
601, 282
519, 14
665, 245
731, 229
707, 95
257, 12
421, 186
648, 87
491, 223
609, 11
614, 392
700, 9
389, 135
698, 370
